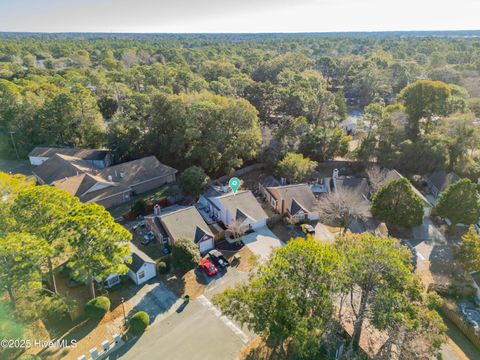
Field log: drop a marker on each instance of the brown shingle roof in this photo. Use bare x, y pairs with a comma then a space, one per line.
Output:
84, 154
89, 188
137, 171
301, 193
61, 166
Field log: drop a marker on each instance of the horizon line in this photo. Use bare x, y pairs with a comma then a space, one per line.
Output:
236, 33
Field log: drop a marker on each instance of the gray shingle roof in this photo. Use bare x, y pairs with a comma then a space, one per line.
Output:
245, 202
184, 223
138, 258
441, 179
355, 184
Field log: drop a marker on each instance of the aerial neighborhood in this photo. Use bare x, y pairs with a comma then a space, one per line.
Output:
240, 197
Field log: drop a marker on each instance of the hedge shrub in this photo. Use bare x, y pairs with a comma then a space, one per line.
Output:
163, 267
139, 322
97, 307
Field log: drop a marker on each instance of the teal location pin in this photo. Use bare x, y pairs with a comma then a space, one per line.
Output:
234, 184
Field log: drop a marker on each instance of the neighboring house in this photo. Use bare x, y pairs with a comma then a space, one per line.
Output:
98, 158
295, 201
61, 166
142, 268
356, 184
427, 206
265, 183
95, 189
111, 280
111, 186
230, 207
438, 181
182, 223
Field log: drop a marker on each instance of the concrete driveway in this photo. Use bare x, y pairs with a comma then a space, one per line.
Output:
431, 245
155, 299
262, 242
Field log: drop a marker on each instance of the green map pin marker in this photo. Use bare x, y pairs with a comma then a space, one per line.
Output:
234, 184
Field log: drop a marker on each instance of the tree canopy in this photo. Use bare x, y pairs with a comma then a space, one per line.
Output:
396, 203
459, 203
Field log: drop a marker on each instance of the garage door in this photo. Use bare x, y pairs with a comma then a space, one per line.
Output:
206, 245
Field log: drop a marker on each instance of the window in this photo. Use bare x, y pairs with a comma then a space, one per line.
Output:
141, 274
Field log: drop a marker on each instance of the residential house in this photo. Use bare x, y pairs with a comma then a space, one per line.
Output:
142, 268
264, 184
182, 223
295, 201
98, 158
438, 181
228, 208
111, 186
352, 183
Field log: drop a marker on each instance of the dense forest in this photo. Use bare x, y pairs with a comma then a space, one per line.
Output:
221, 101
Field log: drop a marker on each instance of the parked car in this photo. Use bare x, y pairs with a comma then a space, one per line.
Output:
148, 238
307, 229
207, 267
217, 258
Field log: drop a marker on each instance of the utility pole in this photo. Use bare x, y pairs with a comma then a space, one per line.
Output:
14, 145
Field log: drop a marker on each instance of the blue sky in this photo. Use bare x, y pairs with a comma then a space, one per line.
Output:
237, 15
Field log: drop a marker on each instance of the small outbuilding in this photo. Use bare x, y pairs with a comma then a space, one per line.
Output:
142, 268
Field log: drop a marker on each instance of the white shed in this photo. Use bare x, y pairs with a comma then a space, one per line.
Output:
142, 268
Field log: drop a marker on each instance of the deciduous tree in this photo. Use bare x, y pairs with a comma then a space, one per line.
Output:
295, 167
290, 297
468, 251
193, 180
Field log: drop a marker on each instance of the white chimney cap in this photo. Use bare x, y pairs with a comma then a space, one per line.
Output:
105, 345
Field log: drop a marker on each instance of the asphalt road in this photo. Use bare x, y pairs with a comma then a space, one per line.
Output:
195, 331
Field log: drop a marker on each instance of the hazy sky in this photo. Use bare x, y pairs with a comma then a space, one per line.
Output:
237, 15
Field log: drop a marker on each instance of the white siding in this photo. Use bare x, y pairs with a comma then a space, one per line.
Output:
150, 272
205, 245
313, 216
37, 160
259, 224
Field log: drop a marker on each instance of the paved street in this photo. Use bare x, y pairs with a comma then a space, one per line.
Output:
195, 331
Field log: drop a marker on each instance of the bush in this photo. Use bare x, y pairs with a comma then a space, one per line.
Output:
140, 207
185, 254
139, 322
193, 180
163, 267
97, 307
